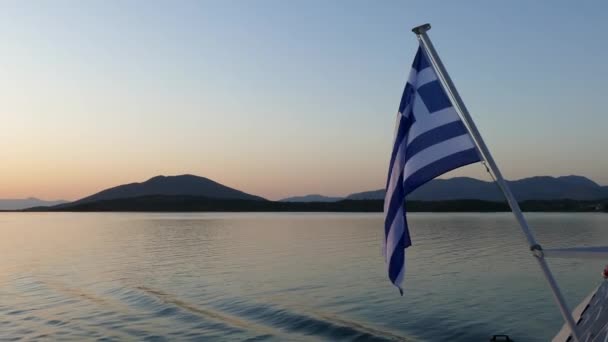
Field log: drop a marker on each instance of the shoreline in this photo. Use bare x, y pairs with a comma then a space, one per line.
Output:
201, 204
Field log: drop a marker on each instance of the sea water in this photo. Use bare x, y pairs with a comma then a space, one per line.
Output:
283, 276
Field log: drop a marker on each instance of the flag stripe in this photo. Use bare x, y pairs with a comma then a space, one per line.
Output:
394, 180
404, 124
436, 152
399, 278
440, 166
394, 204
396, 231
396, 261
440, 118
408, 92
435, 136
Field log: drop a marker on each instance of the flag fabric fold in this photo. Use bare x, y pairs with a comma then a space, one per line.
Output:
430, 140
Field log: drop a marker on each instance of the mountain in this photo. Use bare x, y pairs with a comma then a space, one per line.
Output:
311, 198
180, 203
183, 185
533, 188
18, 204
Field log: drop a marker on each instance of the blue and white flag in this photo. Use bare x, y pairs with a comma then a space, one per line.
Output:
430, 140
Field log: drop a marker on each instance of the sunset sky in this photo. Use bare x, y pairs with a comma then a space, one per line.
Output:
281, 98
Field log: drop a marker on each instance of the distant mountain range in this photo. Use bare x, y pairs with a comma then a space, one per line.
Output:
176, 203
18, 204
533, 188
312, 198
188, 192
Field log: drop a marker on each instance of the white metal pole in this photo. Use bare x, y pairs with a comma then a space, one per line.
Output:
420, 32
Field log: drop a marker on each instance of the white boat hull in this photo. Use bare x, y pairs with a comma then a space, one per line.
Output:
591, 317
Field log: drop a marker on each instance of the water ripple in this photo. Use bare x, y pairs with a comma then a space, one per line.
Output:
278, 277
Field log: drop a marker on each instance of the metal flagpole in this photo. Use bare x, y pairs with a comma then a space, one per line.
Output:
536, 249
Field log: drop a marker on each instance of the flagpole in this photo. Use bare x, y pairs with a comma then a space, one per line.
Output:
536, 249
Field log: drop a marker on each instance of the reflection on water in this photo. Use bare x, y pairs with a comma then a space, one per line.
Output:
128, 276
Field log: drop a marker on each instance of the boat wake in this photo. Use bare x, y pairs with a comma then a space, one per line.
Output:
273, 322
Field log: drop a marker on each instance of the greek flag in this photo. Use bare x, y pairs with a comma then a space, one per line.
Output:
430, 140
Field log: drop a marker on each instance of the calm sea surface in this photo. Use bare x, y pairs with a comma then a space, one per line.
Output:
282, 277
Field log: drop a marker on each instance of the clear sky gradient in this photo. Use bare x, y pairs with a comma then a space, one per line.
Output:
283, 98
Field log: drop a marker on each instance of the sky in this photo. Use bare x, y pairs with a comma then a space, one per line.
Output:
281, 98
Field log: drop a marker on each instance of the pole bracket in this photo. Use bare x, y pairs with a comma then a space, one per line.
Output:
421, 29
537, 250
